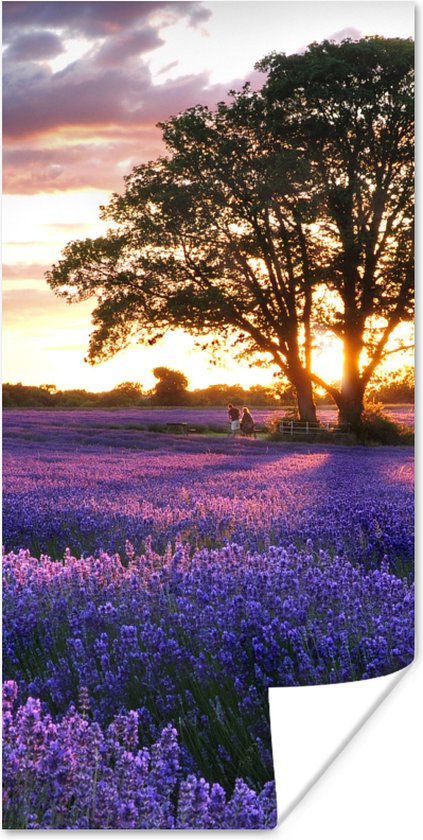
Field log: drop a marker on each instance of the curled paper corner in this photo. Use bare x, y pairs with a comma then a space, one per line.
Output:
368, 735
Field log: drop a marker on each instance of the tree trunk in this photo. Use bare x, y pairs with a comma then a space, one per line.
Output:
350, 402
350, 412
305, 401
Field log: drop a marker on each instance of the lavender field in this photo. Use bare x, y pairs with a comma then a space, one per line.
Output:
155, 586
41, 422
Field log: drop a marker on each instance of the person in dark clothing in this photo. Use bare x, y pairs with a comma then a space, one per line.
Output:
234, 414
247, 423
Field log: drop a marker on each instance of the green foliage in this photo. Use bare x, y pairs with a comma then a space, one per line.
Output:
392, 389
222, 395
171, 388
25, 396
33, 396
349, 110
395, 387
377, 427
127, 393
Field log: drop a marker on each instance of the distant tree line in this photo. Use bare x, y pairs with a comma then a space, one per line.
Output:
48, 396
168, 392
398, 387
171, 389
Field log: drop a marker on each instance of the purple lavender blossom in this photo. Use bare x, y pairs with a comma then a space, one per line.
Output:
71, 774
170, 582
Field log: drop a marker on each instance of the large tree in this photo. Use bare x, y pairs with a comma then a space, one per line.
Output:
258, 205
348, 111
214, 238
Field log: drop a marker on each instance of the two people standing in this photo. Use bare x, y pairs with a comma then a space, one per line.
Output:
244, 424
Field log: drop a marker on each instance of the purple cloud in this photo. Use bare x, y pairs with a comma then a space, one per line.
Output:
120, 49
167, 67
94, 19
105, 105
34, 46
38, 101
111, 118
80, 95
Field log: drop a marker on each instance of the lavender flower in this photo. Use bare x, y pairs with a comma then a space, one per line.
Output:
136, 688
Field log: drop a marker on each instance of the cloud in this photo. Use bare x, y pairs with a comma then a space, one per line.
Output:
161, 101
88, 124
115, 137
40, 308
167, 67
101, 164
123, 48
24, 271
34, 46
349, 32
67, 226
17, 78
80, 95
28, 303
95, 19
37, 101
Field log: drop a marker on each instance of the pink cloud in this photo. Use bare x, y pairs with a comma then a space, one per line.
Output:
115, 115
80, 95
349, 32
168, 67
30, 303
169, 99
24, 271
69, 226
105, 105
30, 169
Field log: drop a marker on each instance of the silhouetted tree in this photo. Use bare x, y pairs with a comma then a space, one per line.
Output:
215, 238
302, 187
127, 393
393, 387
171, 388
348, 109
25, 396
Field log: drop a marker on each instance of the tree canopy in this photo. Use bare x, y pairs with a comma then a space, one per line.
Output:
287, 209
349, 111
171, 387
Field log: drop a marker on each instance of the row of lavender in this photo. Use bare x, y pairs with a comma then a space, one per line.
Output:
88, 778
284, 566
143, 417
193, 640
57, 495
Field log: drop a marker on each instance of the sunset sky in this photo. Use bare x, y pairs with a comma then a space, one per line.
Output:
84, 85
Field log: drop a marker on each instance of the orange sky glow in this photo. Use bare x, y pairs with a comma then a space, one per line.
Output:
84, 86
